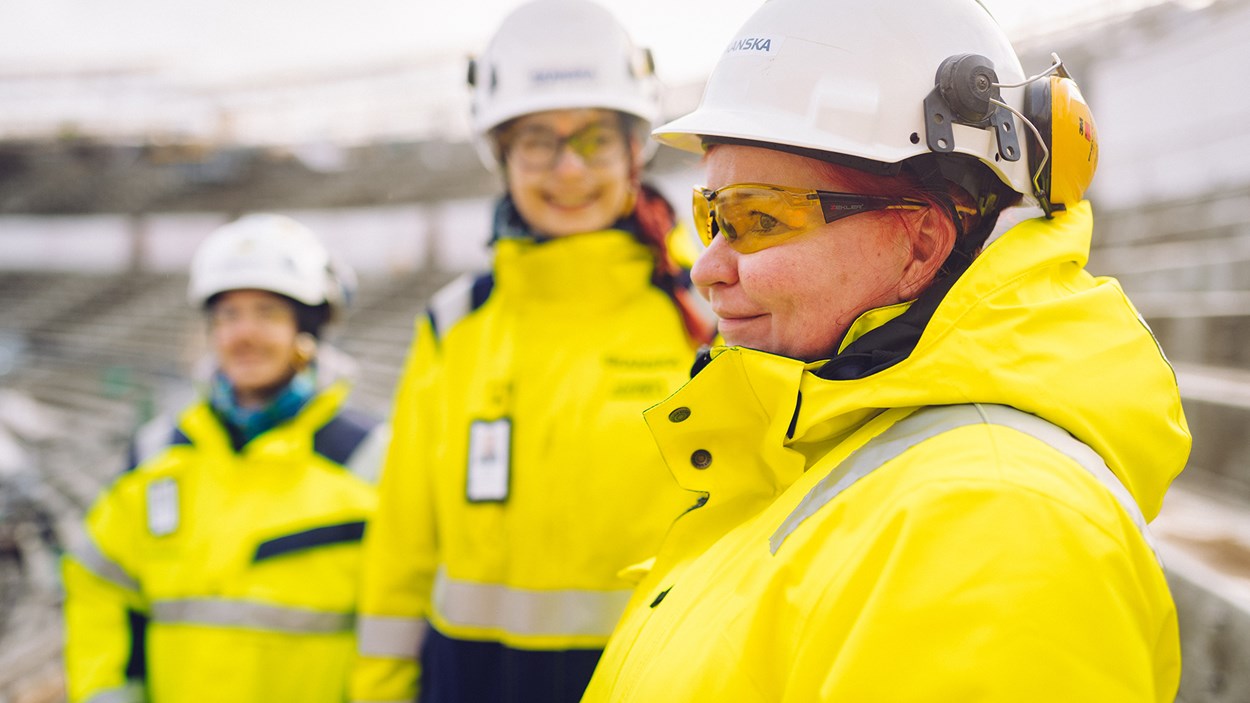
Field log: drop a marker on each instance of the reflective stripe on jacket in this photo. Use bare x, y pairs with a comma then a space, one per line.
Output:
929, 532
553, 359
244, 565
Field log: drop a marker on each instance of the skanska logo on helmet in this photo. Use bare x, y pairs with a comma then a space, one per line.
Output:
750, 44
561, 75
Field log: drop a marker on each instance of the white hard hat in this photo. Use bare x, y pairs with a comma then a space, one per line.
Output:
848, 78
272, 253
557, 55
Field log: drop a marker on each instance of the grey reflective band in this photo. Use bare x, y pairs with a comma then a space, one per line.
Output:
451, 303
528, 612
390, 637
253, 616
116, 695
932, 421
366, 461
84, 549
153, 437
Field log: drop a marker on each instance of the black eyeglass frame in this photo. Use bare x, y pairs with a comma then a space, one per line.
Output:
599, 156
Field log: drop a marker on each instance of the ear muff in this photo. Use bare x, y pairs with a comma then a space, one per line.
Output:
967, 82
1065, 168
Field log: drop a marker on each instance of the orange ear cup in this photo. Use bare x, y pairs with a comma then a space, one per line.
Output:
1074, 143
1057, 109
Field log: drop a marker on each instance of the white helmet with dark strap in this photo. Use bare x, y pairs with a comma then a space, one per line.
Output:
271, 253
557, 55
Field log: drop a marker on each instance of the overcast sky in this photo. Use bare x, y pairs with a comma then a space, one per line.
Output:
224, 41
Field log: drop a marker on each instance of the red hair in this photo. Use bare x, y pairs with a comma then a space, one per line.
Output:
655, 221
907, 185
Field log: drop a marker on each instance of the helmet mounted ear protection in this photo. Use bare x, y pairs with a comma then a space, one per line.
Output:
1063, 154
806, 76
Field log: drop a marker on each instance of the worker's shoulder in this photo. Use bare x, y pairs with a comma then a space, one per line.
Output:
153, 438
340, 438
459, 299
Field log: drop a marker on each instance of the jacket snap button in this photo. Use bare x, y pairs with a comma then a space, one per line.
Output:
679, 415
701, 459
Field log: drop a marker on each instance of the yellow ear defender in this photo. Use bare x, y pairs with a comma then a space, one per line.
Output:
1063, 153
1064, 168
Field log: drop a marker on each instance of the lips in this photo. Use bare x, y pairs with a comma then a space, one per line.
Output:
248, 356
729, 315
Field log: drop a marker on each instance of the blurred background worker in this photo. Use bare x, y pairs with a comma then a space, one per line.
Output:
521, 480
929, 459
224, 566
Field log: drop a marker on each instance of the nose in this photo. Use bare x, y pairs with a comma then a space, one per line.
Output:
568, 161
716, 266
244, 325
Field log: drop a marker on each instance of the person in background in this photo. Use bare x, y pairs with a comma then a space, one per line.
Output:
932, 440
521, 481
223, 566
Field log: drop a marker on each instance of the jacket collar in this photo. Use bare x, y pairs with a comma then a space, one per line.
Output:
1024, 326
590, 270
724, 432
294, 437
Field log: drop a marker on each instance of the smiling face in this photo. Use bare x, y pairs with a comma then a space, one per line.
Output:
798, 298
254, 337
585, 186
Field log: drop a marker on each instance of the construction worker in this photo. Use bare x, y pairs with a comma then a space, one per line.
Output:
521, 481
932, 441
224, 566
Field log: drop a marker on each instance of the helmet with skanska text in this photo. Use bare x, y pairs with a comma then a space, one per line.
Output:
875, 84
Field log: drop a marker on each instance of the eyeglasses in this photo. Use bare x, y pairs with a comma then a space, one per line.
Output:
266, 314
755, 216
538, 148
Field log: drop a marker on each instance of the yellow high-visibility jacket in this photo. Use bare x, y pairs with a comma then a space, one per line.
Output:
244, 565
521, 479
967, 524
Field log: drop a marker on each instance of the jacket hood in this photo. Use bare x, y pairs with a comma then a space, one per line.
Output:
1024, 326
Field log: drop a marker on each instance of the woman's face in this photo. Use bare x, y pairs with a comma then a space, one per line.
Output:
798, 298
568, 171
253, 334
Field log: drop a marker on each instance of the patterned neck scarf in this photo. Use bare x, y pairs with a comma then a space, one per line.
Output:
250, 423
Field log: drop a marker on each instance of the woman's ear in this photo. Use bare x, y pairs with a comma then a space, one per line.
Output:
930, 241
304, 352
637, 146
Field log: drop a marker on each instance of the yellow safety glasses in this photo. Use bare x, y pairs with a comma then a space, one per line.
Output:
755, 216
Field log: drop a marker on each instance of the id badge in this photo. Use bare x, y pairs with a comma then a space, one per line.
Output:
490, 459
162, 507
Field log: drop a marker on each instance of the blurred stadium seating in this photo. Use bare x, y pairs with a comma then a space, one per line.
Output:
86, 357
